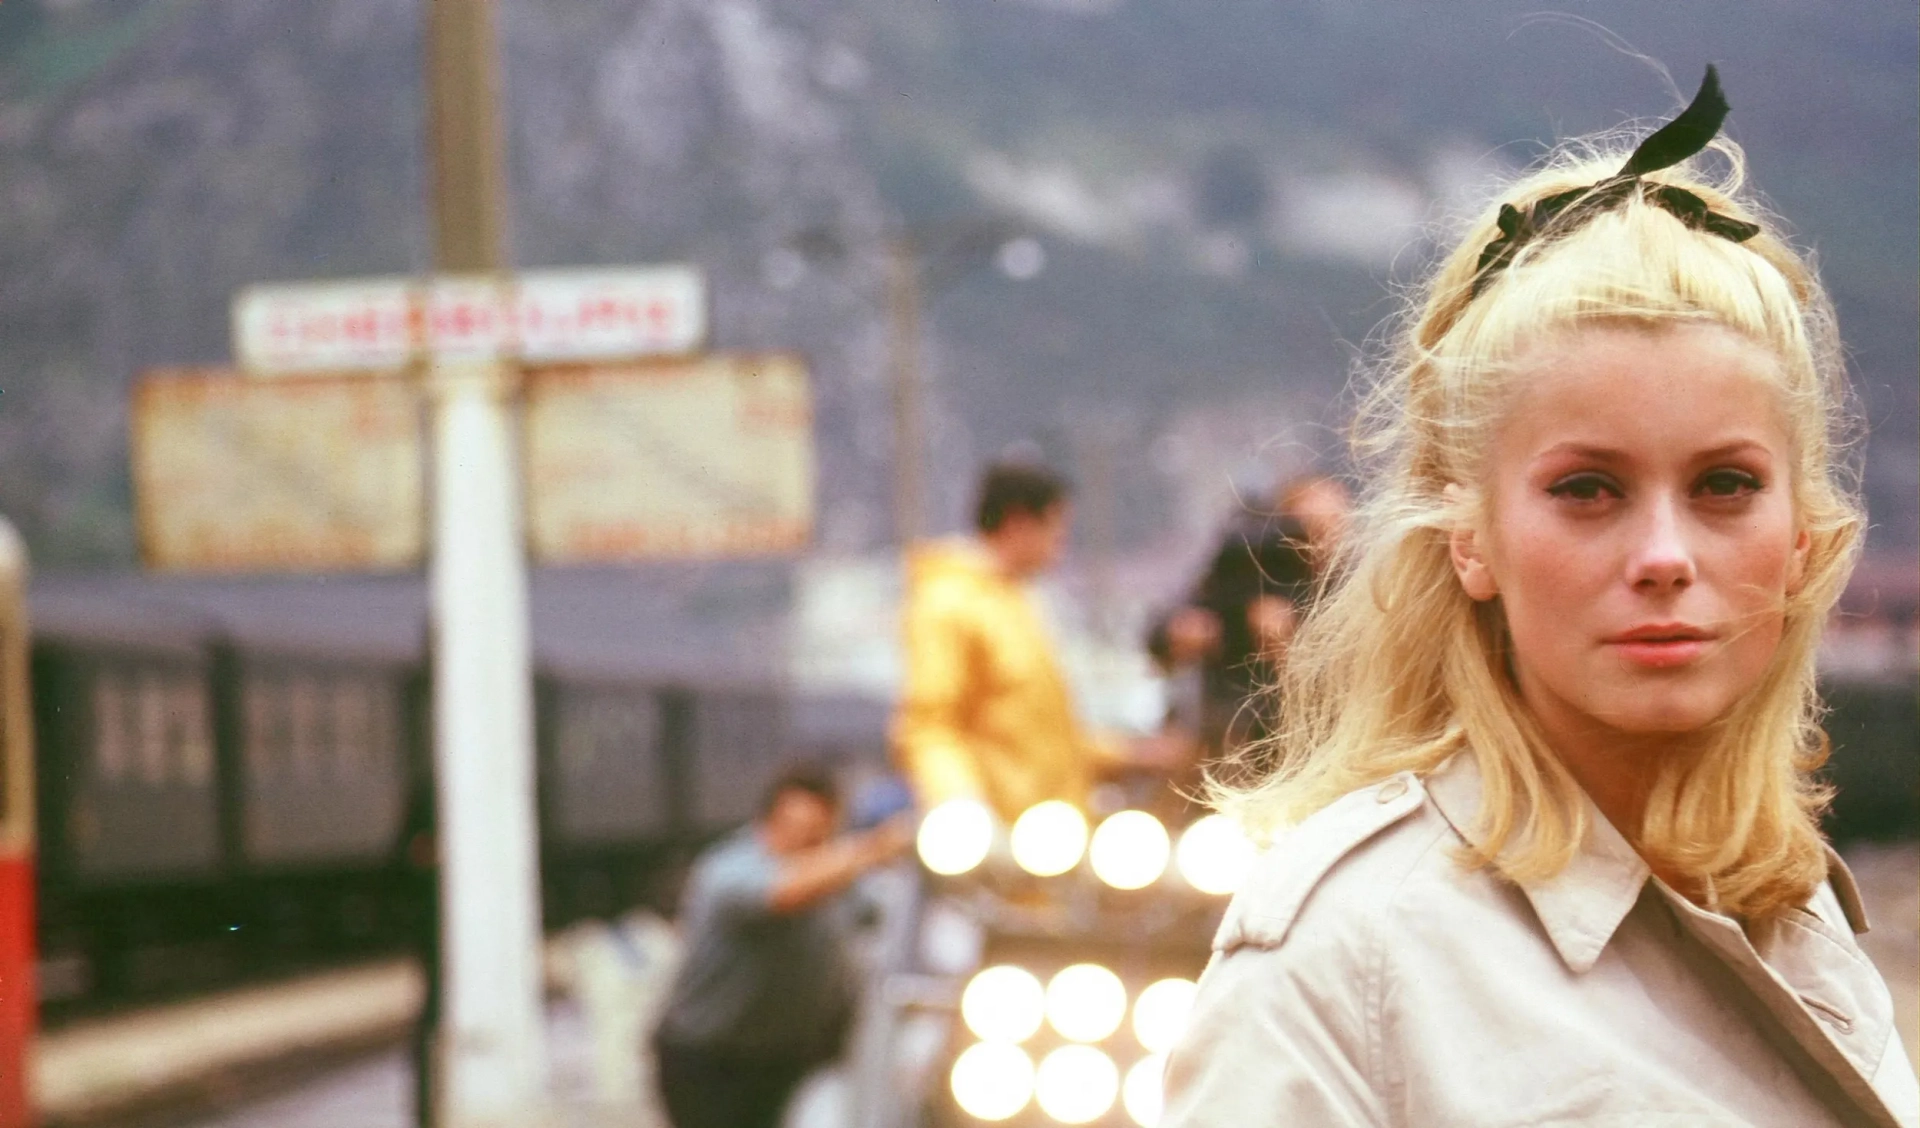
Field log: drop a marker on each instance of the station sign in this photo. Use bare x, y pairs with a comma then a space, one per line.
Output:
304, 474
382, 325
706, 456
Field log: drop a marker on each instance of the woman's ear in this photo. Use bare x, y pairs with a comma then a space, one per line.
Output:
1463, 547
1797, 564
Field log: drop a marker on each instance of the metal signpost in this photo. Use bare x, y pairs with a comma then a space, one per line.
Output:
312, 460
491, 1052
468, 324
469, 334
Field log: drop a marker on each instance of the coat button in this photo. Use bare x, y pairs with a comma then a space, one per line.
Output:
1391, 790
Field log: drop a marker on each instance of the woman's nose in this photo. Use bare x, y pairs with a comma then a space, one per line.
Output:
1662, 557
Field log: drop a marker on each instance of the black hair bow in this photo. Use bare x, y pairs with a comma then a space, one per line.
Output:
1668, 146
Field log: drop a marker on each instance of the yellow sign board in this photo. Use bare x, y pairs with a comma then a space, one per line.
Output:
304, 474
708, 456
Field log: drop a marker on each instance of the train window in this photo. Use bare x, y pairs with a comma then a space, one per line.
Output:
150, 696
598, 727
634, 723
257, 702
352, 726
737, 741
305, 741
193, 735
109, 728
577, 737
608, 784
383, 728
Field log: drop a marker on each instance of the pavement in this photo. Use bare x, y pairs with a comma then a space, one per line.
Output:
377, 1093
374, 1092
111, 1066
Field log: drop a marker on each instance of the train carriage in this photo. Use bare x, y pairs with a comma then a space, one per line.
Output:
609, 823
129, 807
319, 750
227, 764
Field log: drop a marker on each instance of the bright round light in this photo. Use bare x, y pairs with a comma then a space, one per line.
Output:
1049, 837
1214, 855
955, 836
992, 1080
1142, 1092
1003, 1004
1130, 850
1160, 1013
1076, 1084
1086, 1002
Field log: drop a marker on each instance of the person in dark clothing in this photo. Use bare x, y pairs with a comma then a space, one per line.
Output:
766, 993
1236, 621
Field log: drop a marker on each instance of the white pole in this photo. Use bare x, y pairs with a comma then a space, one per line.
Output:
492, 1061
492, 1054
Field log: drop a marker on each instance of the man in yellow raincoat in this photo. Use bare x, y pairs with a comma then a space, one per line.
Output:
986, 712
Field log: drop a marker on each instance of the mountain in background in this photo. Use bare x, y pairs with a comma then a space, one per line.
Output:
1227, 194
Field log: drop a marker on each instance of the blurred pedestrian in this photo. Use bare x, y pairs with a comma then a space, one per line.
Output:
985, 713
766, 991
1236, 621
1548, 838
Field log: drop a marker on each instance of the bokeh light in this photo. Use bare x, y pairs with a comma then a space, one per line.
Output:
992, 1080
1048, 838
1004, 1004
1130, 850
1143, 1094
955, 837
1086, 1002
1076, 1084
1214, 855
1160, 1013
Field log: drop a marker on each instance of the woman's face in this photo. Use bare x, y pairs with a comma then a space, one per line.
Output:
1640, 530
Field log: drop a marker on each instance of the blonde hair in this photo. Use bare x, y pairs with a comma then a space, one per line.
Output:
1397, 669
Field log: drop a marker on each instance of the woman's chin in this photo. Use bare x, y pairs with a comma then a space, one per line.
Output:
1662, 718
1655, 707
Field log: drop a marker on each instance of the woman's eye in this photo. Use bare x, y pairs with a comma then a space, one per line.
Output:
1728, 483
1584, 487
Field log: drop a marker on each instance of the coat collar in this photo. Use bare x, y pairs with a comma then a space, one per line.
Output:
1582, 906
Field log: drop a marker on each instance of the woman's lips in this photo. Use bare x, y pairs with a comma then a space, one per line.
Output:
1661, 644
1660, 653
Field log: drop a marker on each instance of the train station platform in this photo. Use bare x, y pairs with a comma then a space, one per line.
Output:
127, 1068
328, 1050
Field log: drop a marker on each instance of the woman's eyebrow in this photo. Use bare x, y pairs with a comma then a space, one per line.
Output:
1729, 449
1586, 451
1591, 452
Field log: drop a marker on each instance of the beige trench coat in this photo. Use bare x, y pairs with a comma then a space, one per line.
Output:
1363, 977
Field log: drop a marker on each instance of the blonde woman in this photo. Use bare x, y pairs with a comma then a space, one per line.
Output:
1545, 846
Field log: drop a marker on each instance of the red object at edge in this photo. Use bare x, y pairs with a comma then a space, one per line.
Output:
19, 999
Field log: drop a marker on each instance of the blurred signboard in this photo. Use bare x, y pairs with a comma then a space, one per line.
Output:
541, 316
308, 474
709, 456
369, 325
